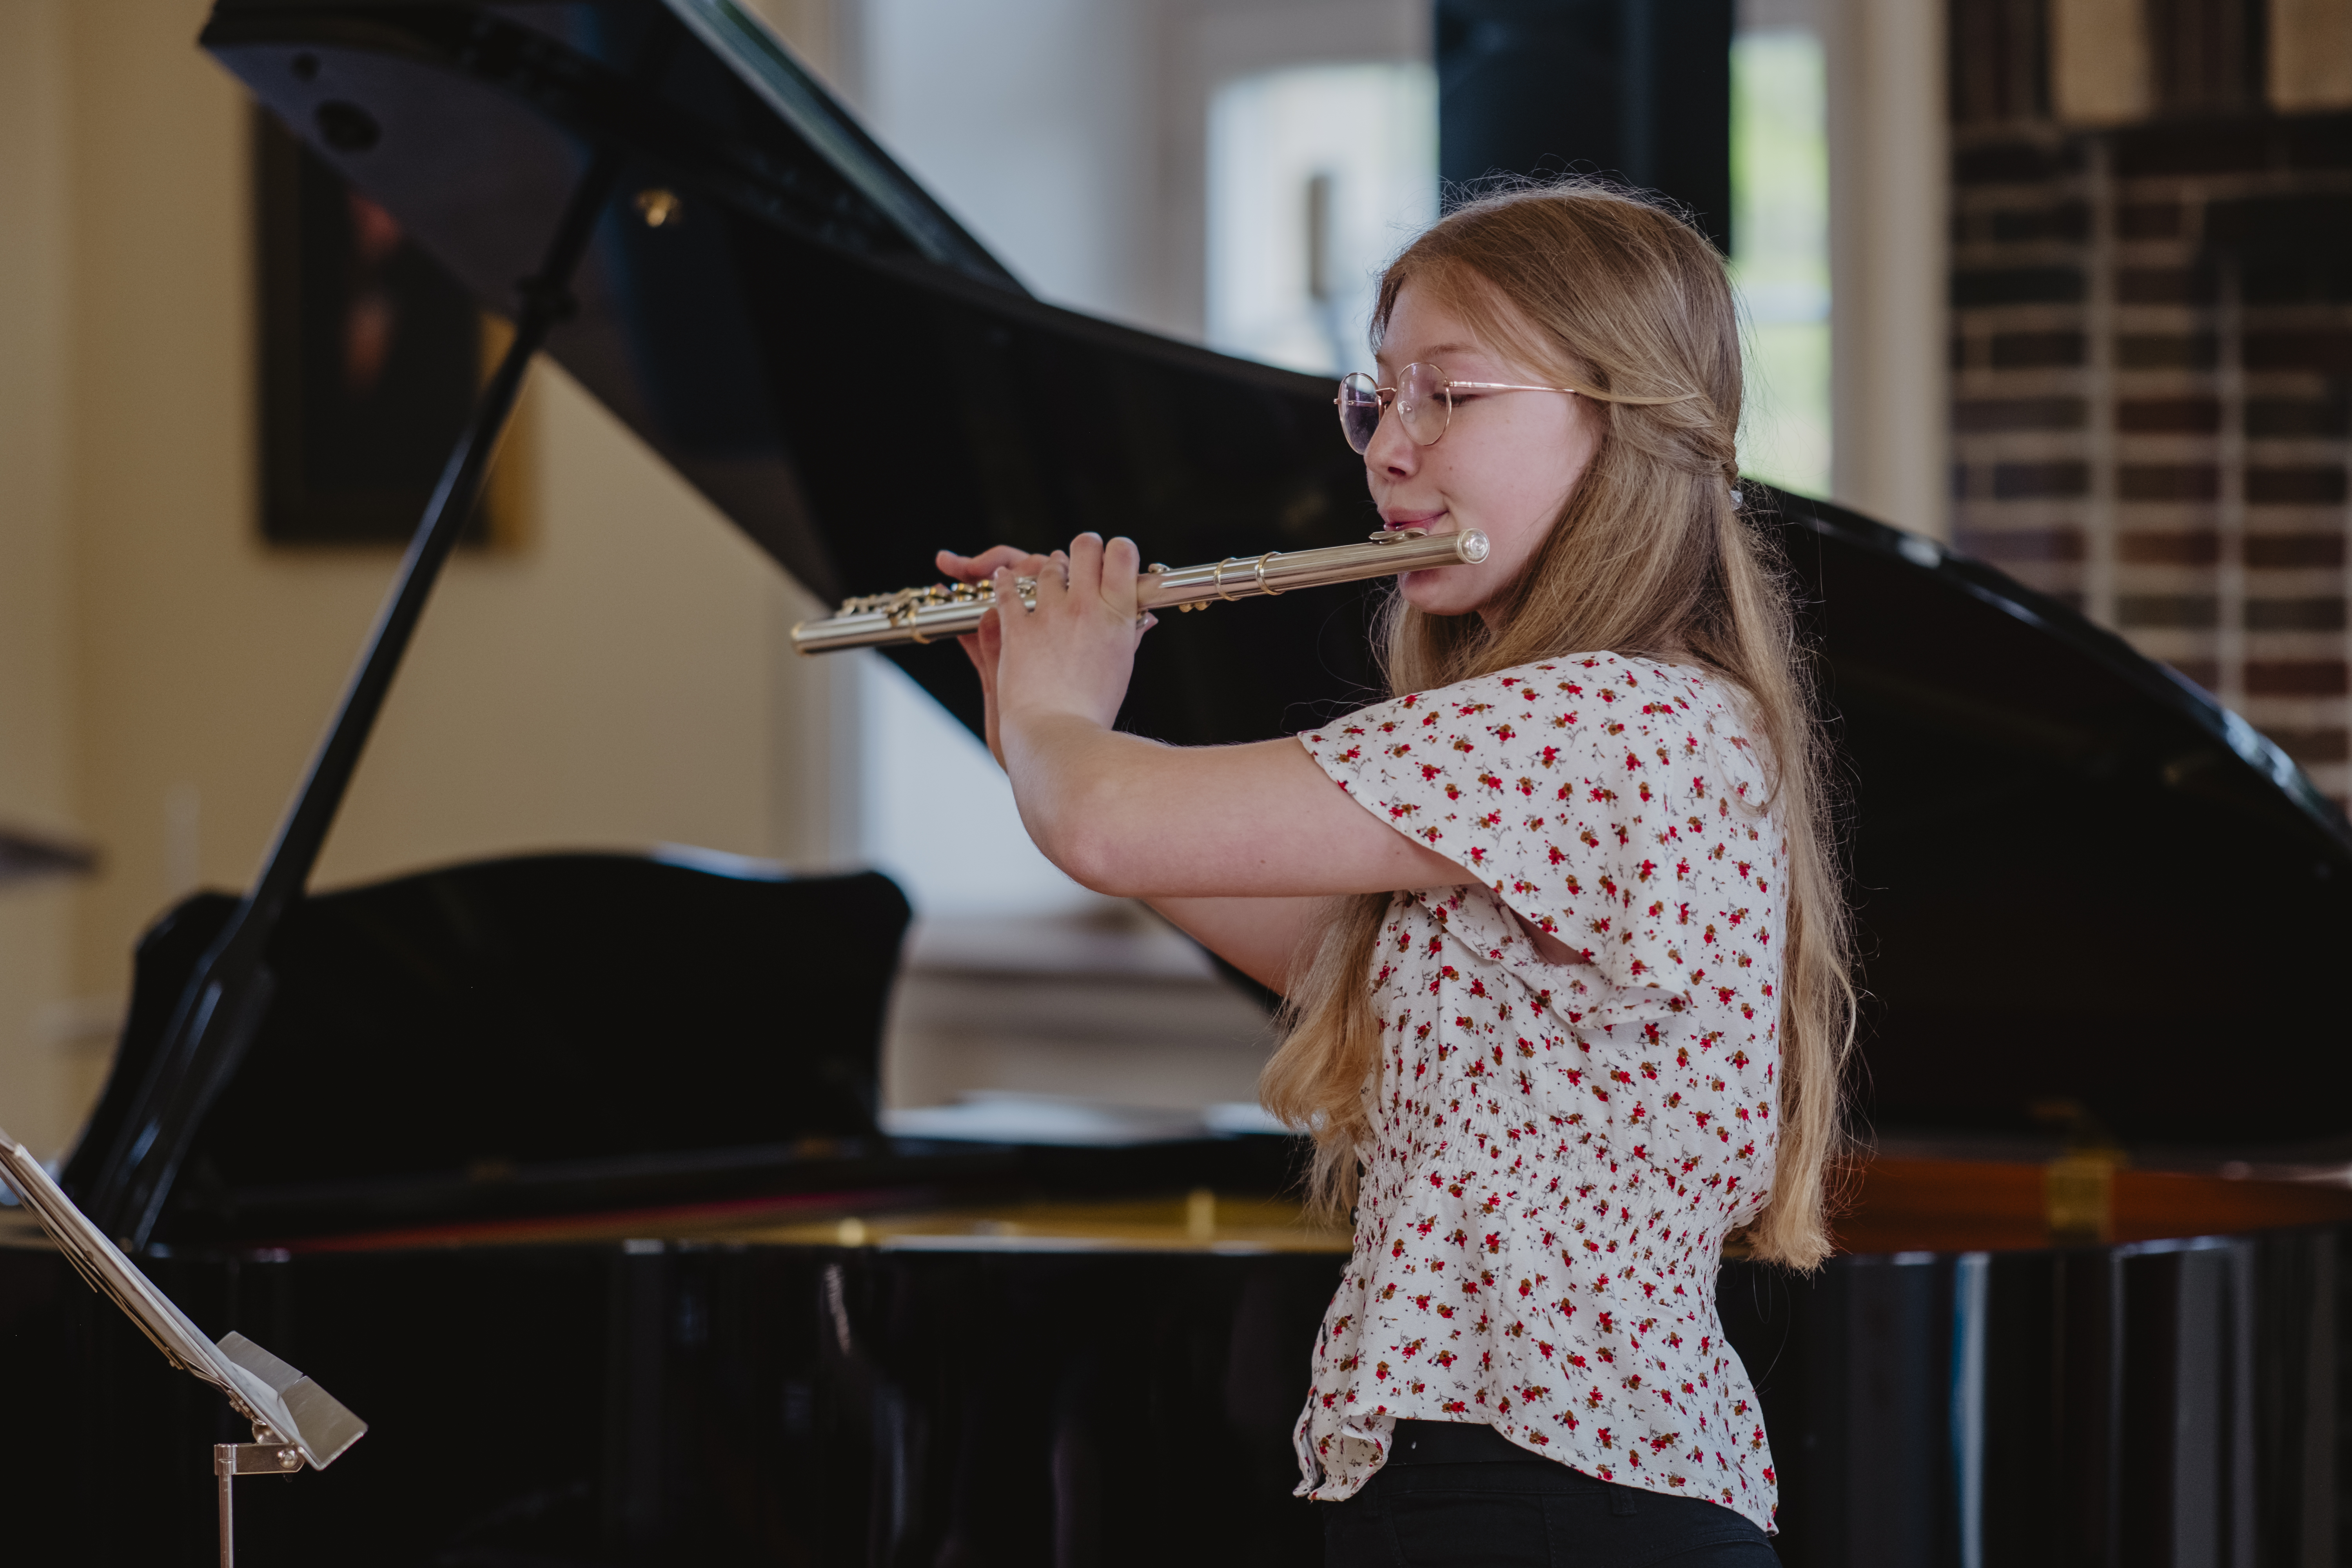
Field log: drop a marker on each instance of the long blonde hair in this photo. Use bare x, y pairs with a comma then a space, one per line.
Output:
1592, 287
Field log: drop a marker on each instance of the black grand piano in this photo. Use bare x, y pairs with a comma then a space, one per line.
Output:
553, 1172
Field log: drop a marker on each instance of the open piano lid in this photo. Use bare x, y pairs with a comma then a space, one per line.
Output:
809, 338
2084, 888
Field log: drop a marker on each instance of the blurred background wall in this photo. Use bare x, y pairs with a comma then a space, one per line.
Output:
613, 680
2151, 281
2063, 275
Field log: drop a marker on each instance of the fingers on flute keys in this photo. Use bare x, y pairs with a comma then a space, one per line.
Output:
1090, 566
1105, 572
980, 567
1086, 567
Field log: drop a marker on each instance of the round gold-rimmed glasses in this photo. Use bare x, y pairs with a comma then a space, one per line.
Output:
1424, 396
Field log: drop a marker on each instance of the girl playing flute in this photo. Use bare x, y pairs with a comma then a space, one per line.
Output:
1561, 944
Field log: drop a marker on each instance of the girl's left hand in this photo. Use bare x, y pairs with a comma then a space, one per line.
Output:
983, 646
1072, 655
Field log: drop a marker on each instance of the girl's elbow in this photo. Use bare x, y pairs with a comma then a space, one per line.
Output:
1088, 827
1094, 859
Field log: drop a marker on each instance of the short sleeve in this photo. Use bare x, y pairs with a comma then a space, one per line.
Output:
1580, 791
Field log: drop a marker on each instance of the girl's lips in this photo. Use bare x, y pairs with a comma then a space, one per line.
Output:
1407, 520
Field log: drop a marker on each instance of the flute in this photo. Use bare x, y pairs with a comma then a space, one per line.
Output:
954, 609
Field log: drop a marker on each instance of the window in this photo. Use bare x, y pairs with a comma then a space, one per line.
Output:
1316, 175
1781, 263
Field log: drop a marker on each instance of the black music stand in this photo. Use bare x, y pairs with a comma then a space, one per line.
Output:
295, 1422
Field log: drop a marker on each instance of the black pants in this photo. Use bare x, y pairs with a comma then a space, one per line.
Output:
1455, 1493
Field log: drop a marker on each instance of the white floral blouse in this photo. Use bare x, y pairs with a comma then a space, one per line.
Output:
1560, 1148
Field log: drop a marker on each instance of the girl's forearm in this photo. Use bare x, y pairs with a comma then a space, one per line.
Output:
1084, 794
1136, 819
1090, 799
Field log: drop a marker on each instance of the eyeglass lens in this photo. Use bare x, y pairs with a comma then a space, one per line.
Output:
1425, 405
1360, 410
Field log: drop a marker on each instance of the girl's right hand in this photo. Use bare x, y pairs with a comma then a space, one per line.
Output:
984, 646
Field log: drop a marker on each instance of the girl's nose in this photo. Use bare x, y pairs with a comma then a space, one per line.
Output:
1391, 452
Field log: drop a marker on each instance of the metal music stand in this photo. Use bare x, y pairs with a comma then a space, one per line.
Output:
27, 856
295, 1422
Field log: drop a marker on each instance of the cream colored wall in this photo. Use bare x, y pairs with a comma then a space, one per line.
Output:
609, 686
825, 33
616, 681
2100, 66
2098, 61
2311, 55
36, 753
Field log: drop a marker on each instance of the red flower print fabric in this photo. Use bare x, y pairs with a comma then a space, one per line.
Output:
1560, 1148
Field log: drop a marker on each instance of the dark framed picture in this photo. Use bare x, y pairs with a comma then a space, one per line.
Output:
371, 357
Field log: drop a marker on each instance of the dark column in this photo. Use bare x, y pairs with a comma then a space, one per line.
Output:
1637, 90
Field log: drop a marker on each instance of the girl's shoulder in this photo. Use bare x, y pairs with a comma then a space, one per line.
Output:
1604, 682
1554, 710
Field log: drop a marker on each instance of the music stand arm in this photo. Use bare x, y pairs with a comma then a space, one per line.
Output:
295, 1422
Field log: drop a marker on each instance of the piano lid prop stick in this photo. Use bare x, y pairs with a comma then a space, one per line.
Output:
226, 998
948, 610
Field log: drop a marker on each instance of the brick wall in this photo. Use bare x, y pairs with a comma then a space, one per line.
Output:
2152, 374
